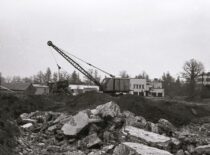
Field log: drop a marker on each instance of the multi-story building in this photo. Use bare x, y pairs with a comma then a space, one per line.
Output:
156, 88
138, 86
146, 88
204, 79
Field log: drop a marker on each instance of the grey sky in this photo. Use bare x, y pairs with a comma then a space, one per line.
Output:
133, 35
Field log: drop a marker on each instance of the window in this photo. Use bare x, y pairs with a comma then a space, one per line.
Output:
142, 86
139, 86
207, 79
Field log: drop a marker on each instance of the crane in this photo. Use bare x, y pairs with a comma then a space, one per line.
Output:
109, 85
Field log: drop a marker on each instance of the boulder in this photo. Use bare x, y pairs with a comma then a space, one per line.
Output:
148, 137
108, 110
205, 149
128, 148
75, 124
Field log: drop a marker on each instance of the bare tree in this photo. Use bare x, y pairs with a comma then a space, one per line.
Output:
192, 69
142, 75
48, 75
124, 74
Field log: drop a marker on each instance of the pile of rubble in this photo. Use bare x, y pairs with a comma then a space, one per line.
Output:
104, 130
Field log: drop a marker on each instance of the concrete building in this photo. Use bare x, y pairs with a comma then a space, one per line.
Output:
138, 86
156, 88
146, 88
142, 87
204, 79
78, 89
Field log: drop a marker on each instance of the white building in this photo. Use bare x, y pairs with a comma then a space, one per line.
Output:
156, 89
138, 86
204, 79
78, 89
146, 88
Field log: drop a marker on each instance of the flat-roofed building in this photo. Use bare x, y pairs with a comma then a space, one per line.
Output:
78, 89
138, 86
204, 79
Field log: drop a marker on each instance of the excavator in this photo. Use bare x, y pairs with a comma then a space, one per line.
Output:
111, 84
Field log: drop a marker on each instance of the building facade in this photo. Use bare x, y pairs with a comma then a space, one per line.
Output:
156, 89
142, 87
78, 89
204, 79
138, 86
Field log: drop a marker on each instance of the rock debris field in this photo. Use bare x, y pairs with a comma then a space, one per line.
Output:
106, 130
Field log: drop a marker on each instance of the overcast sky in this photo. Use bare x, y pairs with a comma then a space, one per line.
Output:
133, 35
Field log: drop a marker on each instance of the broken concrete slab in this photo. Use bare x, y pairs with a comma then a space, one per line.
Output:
142, 149
28, 126
110, 109
148, 137
75, 124
203, 149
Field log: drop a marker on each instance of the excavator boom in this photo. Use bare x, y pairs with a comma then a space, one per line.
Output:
75, 64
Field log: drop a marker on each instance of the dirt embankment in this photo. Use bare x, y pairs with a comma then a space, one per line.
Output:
177, 112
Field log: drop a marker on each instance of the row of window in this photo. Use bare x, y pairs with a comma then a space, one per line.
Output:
206, 79
138, 86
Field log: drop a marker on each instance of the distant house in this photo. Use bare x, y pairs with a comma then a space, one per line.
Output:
20, 87
78, 89
26, 88
5, 90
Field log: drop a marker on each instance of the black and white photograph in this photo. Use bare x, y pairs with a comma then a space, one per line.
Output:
104, 77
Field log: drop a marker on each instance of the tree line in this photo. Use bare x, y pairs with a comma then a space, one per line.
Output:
49, 76
183, 85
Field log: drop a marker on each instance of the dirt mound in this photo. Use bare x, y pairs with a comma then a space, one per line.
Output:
177, 112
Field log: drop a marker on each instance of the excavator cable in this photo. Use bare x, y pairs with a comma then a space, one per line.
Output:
111, 75
59, 67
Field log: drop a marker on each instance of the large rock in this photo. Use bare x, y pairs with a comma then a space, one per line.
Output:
109, 109
75, 124
128, 148
148, 137
205, 149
